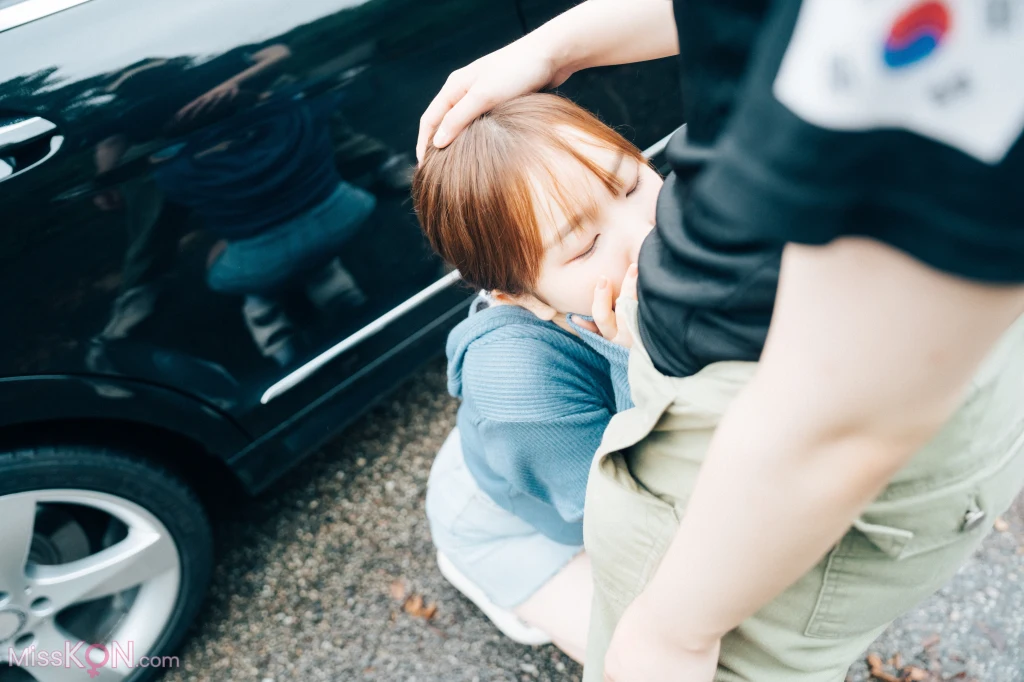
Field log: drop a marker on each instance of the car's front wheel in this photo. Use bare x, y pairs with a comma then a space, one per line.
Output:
105, 558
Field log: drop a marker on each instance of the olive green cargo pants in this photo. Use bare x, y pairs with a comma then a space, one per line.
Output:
906, 545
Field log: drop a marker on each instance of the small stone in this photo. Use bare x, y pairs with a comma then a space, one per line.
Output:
389, 486
361, 462
340, 475
1001, 525
529, 669
314, 504
559, 666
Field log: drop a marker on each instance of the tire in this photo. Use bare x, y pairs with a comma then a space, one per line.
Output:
74, 487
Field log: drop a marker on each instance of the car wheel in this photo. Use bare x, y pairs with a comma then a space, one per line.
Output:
97, 547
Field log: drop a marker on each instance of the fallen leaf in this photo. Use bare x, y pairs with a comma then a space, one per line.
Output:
931, 641
414, 606
915, 674
413, 603
398, 590
1001, 525
877, 670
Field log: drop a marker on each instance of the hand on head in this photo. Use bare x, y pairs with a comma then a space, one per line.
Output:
477, 88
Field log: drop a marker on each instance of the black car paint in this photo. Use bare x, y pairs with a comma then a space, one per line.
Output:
83, 230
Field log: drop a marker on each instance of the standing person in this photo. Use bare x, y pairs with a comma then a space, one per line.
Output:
877, 146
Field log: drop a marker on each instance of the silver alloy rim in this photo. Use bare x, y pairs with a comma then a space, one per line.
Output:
142, 563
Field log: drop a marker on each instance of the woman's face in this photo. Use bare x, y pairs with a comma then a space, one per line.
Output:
575, 260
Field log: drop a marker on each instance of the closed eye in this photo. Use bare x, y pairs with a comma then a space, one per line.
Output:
589, 251
636, 185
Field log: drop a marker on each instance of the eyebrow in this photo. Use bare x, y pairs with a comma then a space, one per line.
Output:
574, 221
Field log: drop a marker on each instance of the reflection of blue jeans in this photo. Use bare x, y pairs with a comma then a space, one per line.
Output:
276, 258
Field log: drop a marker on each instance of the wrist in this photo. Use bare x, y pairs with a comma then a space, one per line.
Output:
679, 629
555, 50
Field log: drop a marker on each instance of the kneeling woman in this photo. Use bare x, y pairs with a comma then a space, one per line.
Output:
545, 208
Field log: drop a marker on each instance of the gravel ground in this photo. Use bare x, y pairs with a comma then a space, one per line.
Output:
312, 578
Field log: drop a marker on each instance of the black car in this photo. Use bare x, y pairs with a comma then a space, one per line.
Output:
151, 355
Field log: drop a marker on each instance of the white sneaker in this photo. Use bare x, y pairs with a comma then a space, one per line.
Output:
508, 622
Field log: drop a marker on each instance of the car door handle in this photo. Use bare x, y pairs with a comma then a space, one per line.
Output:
26, 142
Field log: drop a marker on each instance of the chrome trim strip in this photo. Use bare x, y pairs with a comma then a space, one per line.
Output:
658, 146
30, 10
384, 320
302, 373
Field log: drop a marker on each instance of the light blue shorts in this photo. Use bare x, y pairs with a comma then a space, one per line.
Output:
505, 556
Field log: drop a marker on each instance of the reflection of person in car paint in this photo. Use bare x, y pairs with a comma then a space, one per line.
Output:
255, 162
154, 225
265, 183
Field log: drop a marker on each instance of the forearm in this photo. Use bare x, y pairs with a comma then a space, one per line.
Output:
263, 60
605, 32
868, 356
763, 512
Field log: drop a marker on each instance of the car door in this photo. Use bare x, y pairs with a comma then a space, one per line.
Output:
212, 195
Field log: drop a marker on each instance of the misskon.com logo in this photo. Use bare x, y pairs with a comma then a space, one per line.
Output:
88, 657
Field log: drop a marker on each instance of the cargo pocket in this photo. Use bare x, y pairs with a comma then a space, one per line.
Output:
622, 521
900, 552
625, 530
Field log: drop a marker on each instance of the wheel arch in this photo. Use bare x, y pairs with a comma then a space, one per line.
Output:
173, 429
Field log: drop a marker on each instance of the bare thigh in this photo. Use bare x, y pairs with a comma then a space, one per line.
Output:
561, 607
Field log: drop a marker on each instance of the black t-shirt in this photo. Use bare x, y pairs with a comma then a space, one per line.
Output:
915, 141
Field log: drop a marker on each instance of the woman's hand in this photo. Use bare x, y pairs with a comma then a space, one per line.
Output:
640, 651
517, 69
608, 318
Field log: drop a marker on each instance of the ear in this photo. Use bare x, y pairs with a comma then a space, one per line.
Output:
536, 306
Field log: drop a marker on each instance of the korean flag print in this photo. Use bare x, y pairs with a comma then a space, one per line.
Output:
951, 70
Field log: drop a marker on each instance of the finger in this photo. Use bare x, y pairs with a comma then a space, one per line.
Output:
628, 289
185, 111
604, 316
198, 109
452, 91
465, 111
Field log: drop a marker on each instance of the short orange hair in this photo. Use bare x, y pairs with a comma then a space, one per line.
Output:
474, 197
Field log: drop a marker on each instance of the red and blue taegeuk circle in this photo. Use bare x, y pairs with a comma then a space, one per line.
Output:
916, 33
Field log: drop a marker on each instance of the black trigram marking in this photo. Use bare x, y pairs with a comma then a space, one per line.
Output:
999, 14
953, 88
841, 76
